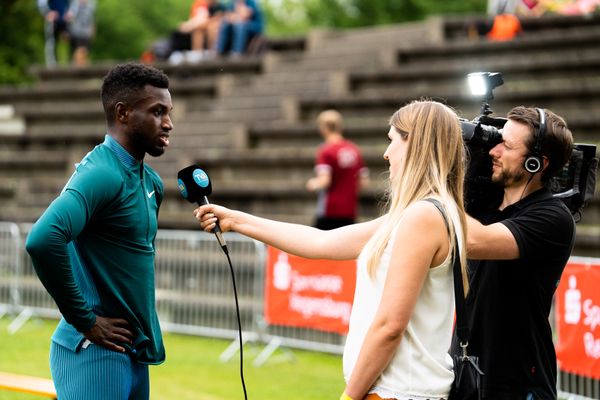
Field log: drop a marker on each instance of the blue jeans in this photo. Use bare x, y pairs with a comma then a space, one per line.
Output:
235, 37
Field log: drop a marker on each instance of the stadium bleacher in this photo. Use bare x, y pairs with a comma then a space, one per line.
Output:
250, 122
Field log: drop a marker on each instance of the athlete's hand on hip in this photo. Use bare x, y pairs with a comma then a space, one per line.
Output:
109, 332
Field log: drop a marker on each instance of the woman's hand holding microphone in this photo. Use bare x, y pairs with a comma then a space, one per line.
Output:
209, 214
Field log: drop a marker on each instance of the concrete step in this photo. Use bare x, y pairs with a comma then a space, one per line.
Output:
572, 64
36, 93
455, 26
19, 214
286, 44
66, 132
283, 82
364, 60
90, 90
8, 188
477, 50
74, 112
30, 161
250, 101
193, 147
60, 133
88, 112
287, 77
565, 97
275, 135
98, 71
227, 165
585, 127
587, 241
254, 114
66, 106
355, 40
267, 89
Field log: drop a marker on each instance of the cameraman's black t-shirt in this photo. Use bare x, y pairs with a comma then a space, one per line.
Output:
509, 300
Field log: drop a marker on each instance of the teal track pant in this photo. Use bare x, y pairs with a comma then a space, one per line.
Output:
96, 373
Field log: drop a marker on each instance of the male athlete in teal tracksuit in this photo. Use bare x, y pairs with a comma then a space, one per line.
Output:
93, 248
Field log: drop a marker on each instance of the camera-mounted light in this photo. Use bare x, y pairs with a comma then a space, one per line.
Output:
482, 84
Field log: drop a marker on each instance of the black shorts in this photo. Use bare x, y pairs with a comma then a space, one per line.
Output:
80, 42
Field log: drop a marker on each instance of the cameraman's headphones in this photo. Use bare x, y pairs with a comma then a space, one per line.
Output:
534, 161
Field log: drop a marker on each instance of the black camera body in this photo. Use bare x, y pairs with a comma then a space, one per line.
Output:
480, 136
574, 184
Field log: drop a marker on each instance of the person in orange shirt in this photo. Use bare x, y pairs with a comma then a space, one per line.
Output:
504, 27
203, 24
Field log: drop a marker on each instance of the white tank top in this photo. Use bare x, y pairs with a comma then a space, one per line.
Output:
421, 368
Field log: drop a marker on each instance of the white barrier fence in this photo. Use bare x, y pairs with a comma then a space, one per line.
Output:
576, 387
194, 296
194, 291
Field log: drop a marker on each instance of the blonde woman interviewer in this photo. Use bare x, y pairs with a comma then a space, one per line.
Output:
401, 322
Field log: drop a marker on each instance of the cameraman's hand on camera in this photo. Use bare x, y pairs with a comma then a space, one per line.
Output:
209, 214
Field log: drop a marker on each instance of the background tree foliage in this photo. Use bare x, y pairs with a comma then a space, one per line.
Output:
297, 16
20, 45
125, 28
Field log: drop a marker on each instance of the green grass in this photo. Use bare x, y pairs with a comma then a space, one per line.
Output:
192, 370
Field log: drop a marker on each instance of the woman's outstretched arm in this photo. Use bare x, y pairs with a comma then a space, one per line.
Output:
344, 243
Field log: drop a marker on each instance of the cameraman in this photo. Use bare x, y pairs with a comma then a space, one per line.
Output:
518, 250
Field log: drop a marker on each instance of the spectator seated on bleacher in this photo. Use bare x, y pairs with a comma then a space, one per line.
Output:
243, 21
203, 27
504, 23
504, 27
195, 38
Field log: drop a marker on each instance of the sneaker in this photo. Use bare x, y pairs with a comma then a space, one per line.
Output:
176, 58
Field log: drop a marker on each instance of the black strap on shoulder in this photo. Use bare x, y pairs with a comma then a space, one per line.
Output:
462, 329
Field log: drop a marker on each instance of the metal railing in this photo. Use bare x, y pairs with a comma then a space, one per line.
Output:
194, 292
10, 245
576, 387
194, 295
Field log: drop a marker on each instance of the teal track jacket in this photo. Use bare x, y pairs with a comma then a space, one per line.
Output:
93, 249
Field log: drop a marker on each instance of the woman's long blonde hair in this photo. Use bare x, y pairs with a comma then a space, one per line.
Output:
433, 166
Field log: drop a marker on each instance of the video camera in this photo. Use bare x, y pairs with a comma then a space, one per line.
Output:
574, 184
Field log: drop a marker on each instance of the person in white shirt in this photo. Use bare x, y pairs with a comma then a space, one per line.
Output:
401, 323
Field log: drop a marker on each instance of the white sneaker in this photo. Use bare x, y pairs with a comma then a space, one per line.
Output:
176, 58
194, 56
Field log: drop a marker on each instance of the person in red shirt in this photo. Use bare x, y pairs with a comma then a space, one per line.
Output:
340, 173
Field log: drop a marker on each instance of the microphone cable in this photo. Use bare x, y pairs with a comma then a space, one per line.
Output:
239, 320
194, 184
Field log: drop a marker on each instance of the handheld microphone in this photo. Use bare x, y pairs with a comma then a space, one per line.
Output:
194, 185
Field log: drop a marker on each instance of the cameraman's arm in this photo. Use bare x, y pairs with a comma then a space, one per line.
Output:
490, 242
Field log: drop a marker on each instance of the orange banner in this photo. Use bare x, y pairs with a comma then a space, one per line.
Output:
578, 318
307, 293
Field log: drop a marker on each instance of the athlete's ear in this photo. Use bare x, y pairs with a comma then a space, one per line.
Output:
121, 113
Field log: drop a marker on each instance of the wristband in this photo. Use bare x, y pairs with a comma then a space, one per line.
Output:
345, 397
